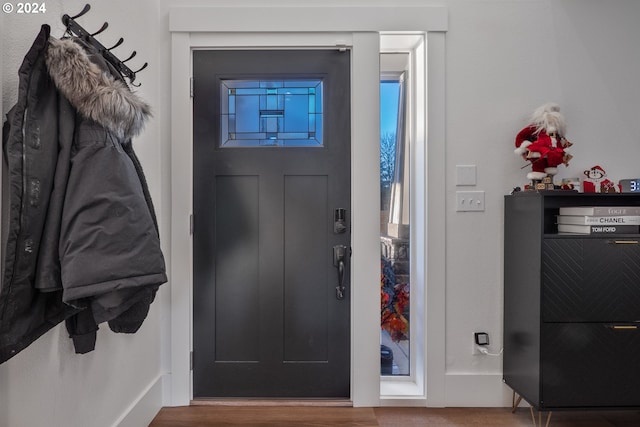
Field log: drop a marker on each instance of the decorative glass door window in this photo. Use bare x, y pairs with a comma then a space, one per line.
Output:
271, 113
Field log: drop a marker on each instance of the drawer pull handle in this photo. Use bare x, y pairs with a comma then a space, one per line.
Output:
624, 242
623, 327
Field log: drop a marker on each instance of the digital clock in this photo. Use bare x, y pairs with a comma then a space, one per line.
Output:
630, 185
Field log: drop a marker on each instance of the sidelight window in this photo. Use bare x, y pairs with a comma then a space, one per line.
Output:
394, 223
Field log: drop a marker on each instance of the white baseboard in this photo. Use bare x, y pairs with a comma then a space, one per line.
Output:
476, 390
143, 409
462, 390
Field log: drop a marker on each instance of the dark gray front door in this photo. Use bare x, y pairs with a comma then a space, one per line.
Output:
271, 174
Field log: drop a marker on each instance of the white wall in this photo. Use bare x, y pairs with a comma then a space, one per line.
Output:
504, 58
47, 384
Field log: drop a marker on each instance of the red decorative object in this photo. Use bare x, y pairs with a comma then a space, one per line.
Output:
394, 300
596, 181
542, 142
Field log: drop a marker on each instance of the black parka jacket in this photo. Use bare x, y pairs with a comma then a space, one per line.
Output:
82, 239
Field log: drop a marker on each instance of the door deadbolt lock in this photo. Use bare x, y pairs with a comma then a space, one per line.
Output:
340, 221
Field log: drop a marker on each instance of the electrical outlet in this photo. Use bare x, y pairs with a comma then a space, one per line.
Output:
482, 338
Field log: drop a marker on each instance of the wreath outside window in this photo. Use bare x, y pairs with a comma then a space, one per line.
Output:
394, 300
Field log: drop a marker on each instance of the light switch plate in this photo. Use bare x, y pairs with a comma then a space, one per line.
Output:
469, 201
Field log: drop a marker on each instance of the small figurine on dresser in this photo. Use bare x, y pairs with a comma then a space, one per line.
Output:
543, 145
596, 181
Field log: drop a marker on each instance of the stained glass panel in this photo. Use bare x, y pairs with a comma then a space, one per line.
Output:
271, 113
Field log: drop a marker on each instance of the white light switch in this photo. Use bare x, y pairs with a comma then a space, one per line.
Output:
465, 174
469, 201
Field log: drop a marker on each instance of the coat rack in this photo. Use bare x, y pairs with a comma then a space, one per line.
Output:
77, 30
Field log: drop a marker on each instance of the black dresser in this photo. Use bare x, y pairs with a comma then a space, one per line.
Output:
571, 306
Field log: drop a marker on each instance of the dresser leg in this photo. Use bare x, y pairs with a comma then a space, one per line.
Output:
515, 402
514, 405
548, 419
539, 423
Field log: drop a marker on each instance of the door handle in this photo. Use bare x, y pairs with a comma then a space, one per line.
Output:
339, 257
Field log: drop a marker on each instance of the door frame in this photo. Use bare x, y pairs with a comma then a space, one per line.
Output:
356, 28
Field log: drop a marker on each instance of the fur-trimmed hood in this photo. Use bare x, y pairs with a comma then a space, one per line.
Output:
94, 92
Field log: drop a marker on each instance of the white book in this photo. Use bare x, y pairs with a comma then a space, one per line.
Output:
600, 210
599, 220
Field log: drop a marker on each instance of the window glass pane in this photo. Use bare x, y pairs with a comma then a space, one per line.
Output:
271, 113
394, 231
247, 109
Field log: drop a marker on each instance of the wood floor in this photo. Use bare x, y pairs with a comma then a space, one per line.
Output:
289, 416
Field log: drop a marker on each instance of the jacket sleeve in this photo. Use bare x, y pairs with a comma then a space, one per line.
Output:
82, 329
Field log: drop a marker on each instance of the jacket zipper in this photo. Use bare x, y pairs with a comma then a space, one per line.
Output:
22, 203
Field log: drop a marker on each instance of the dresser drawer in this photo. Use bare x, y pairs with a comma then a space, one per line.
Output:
590, 365
590, 280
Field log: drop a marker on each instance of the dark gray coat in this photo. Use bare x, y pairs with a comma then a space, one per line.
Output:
82, 239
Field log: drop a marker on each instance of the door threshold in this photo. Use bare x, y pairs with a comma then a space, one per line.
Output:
272, 402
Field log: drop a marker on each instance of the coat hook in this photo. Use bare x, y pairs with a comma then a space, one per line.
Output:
104, 27
84, 10
134, 53
118, 43
141, 68
66, 18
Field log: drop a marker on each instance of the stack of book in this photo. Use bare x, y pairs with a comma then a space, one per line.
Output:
599, 220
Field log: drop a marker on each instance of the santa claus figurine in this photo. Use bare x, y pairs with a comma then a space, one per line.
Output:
542, 142
595, 181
